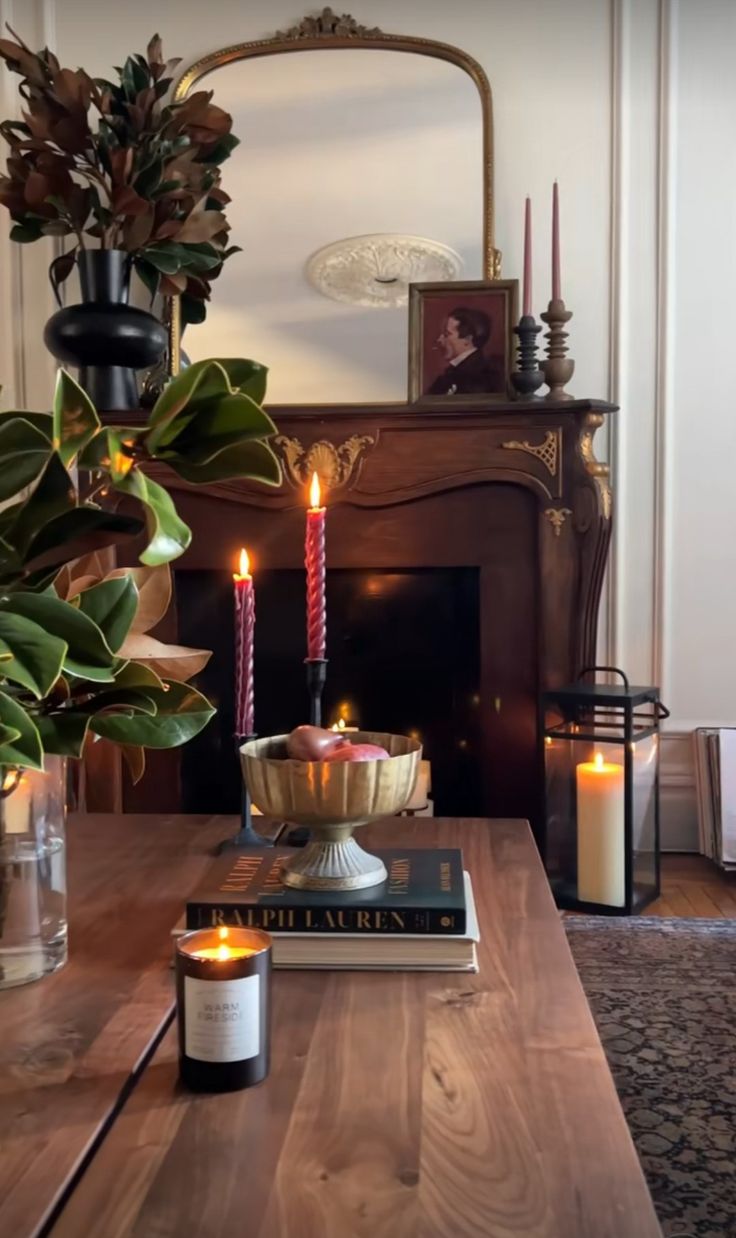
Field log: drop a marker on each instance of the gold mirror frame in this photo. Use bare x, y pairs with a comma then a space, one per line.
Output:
328, 31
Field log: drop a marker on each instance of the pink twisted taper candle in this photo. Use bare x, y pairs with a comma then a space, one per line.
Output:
315, 562
245, 624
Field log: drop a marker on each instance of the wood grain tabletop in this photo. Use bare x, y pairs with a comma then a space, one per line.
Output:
398, 1105
71, 1042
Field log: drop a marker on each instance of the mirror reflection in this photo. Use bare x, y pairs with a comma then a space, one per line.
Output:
336, 145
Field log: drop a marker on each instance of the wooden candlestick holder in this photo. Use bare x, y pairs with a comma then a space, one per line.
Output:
528, 377
558, 368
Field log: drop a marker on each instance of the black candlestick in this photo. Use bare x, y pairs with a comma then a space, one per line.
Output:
528, 377
316, 679
246, 835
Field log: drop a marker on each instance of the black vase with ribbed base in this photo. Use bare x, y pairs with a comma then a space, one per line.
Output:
104, 337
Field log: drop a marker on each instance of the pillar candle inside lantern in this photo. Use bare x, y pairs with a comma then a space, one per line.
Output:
600, 842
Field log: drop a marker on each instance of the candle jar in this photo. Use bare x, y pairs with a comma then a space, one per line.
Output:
600, 757
223, 980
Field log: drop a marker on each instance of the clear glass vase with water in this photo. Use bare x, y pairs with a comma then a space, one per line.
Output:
33, 929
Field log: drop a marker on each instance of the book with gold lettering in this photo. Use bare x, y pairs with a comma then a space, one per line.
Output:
435, 952
424, 893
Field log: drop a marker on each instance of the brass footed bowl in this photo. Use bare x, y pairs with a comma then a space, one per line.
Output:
332, 798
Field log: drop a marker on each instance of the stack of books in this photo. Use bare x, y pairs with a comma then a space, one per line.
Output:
715, 777
421, 919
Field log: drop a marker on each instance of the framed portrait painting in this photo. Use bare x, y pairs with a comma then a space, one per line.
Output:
461, 341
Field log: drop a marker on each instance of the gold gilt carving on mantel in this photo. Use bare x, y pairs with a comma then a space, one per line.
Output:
336, 465
557, 517
328, 23
599, 471
548, 451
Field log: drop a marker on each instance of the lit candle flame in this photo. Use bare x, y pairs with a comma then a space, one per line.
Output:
315, 493
244, 566
223, 951
598, 760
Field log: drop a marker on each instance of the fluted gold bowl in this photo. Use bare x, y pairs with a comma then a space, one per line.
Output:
333, 798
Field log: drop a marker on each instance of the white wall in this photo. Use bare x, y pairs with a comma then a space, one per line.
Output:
631, 104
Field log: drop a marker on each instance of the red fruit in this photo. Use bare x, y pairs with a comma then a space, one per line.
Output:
312, 743
357, 752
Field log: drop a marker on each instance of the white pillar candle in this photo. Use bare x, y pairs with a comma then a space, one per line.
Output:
601, 846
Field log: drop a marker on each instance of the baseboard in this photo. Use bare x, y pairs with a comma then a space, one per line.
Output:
677, 796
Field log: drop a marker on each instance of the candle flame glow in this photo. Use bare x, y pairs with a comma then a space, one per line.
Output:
315, 493
243, 572
223, 951
598, 760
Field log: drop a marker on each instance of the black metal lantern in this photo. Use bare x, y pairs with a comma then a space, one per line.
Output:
600, 747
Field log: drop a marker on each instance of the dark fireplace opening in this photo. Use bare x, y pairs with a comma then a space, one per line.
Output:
404, 657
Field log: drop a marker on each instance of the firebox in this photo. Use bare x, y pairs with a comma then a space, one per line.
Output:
404, 656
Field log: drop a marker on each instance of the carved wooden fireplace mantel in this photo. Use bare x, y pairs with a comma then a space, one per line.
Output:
513, 490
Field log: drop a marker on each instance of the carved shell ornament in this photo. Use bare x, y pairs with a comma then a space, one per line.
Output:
335, 465
375, 270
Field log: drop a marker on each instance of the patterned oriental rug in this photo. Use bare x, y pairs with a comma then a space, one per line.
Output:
663, 995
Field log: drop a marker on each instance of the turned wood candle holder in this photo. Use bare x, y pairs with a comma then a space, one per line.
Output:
558, 368
528, 377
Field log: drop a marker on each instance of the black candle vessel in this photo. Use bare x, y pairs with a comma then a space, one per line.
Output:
316, 679
223, 980
246, 835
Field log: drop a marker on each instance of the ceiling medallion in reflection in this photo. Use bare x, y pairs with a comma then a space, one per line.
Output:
375, 270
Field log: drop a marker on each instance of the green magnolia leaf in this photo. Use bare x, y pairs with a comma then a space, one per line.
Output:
111, 605
218, 424
88, 655
43, 422
75, 419
8, 733
24, 451
78, 532
53, 495
36, 656
136, 675
63, 733
253, 460
168, 535
124, 700
25, 749
177, 394
182, 712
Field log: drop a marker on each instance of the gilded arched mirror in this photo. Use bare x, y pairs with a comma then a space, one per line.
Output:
356, 174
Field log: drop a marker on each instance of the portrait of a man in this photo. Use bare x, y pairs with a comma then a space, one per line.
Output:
460, 341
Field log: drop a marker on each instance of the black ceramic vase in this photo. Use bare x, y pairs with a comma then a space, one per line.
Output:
106, 338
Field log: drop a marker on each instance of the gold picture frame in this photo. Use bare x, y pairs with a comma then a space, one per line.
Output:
474, 345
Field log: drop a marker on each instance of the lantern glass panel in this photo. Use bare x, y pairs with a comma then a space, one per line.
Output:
645, 757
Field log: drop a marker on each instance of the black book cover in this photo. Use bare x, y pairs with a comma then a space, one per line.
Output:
424, 893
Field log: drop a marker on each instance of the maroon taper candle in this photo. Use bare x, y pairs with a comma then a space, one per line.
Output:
527, 310
556, 282
245, 626
315, 563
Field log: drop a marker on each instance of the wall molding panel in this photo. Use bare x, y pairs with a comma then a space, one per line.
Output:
26, 368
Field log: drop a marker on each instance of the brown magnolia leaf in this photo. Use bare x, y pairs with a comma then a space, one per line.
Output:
154, 50
201, 227
79, 583
63, 582
168, 661
96, 564
154, 594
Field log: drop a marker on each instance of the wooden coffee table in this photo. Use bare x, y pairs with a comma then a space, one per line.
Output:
398, 1105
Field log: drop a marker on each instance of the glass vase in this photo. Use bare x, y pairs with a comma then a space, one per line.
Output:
33, 928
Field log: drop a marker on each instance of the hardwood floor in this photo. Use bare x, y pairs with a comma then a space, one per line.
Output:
693, 886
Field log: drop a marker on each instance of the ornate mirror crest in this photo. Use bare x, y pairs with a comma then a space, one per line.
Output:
328, 30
